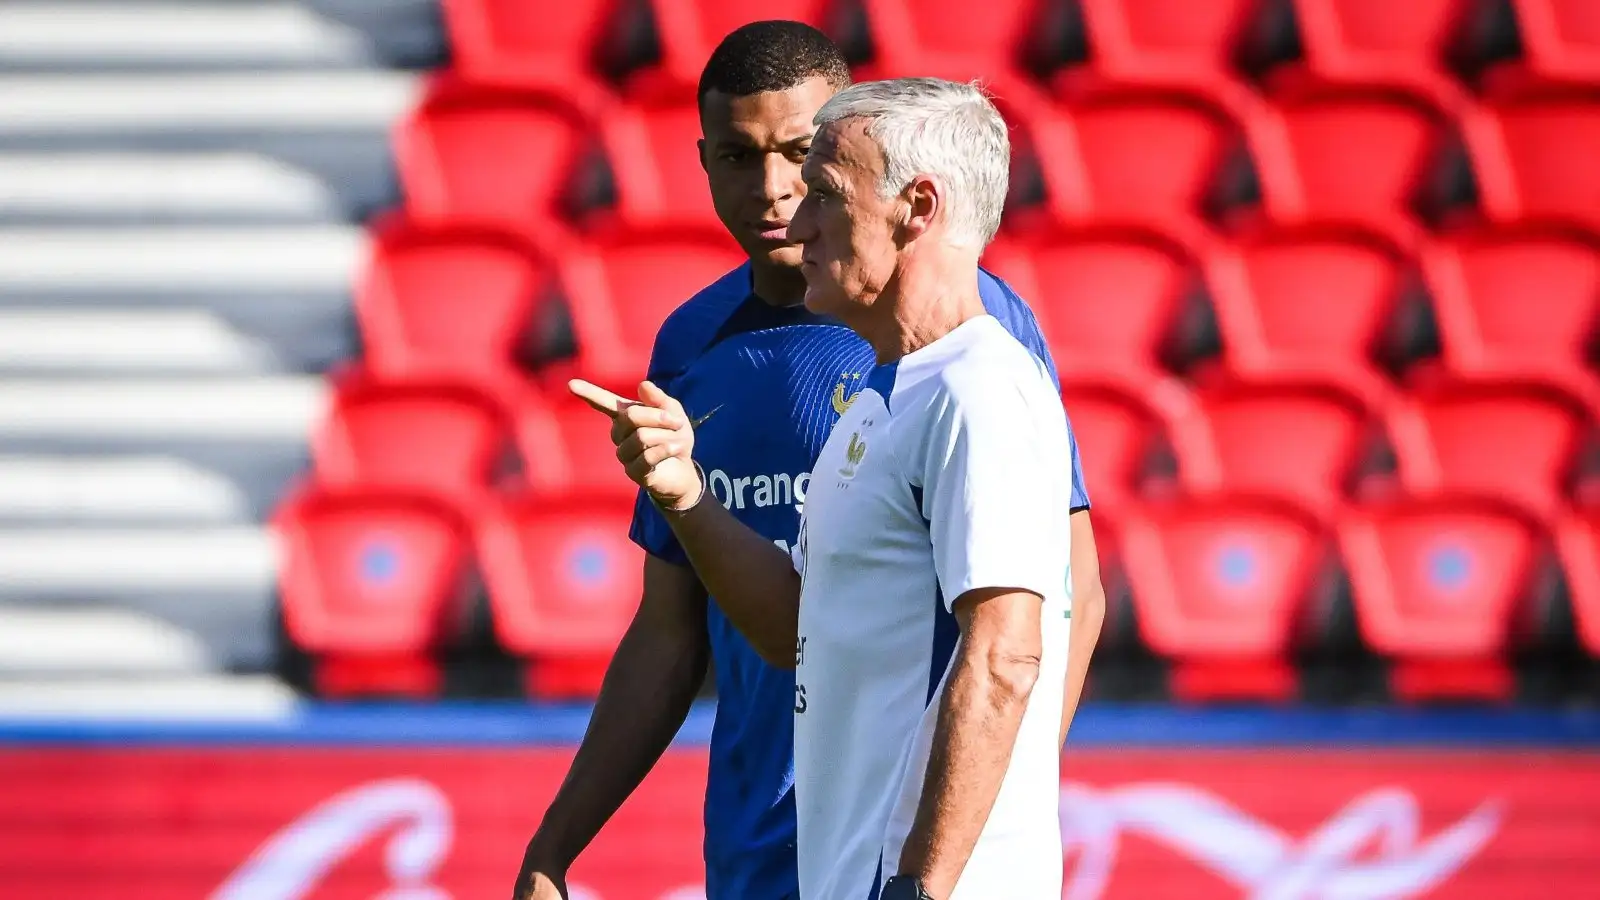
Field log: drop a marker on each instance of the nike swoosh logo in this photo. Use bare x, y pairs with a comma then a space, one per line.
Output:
696, 423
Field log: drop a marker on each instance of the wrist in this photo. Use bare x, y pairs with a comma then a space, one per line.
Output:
543, 856
904, 887
680, 505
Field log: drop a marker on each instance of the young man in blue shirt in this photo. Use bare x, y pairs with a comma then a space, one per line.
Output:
763, 381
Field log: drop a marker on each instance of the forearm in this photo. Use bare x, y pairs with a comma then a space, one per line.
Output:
753, 581
1088, 616
979, 718
644, 700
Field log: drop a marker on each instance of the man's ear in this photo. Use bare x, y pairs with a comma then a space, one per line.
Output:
700, 146
924, 197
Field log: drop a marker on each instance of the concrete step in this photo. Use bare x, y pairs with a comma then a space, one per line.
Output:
99, 189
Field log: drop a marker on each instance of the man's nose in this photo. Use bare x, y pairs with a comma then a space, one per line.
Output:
801, 225
778, 178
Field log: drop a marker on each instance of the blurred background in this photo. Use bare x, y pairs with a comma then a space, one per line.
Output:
309, 568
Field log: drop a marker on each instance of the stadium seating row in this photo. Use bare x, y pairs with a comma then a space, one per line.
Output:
1325, 302
1417, 42
1163, 155
379, 585
1307, 441
1312, 208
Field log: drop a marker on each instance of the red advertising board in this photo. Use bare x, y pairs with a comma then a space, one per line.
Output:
423, 824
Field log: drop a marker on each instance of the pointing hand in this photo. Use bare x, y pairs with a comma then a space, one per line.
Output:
654, 441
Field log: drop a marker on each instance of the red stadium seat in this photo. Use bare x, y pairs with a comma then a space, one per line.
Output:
691, 29
1578, 541
1306, 302
564, 581
1436, 584
1384, 42
1132, 154
1533, 152
450, 304
1515, 441
1168, 41
1116, 430
567, 447
1481, 282
1220, 585
1274, 437
490, 156
1312, 171
623, 284
654, 156
538, 44
372, 587
1106, 298
922, 37
425, 437
1561, 38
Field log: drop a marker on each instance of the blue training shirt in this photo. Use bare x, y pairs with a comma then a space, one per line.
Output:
766, 385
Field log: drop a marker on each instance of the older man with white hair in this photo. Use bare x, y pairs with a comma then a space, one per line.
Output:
935, 541
933, 597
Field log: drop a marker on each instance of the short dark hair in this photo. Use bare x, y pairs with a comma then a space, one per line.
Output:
772, 55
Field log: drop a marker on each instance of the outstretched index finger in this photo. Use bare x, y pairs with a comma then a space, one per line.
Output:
597, 397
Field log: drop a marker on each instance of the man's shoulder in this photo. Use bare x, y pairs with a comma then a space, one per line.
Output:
691, 326
991, 371
1003, 302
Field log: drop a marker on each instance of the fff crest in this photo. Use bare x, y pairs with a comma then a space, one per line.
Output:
853, 455
845, 391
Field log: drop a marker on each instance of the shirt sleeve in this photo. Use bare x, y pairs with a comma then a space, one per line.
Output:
650, 531
993, 493
1080, 488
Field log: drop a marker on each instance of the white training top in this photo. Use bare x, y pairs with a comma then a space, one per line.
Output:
949, 472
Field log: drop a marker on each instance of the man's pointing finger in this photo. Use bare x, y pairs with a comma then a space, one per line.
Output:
597, 397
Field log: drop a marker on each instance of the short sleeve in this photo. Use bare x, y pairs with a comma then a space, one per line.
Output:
650, 531
1080, 488
993, 493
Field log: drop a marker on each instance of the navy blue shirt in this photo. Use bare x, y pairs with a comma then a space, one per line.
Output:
765, 385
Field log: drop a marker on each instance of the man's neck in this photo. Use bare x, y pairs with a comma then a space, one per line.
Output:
777, 285
926, 300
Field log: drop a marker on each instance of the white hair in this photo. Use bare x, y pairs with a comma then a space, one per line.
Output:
930, 126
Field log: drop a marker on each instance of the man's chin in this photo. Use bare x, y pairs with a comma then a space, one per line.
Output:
784, 255
821, 300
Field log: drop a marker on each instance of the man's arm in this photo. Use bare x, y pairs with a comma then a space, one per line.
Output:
754, 582
649, 686
979, 716
1088, 615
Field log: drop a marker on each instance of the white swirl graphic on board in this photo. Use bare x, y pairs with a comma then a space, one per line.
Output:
1261, 860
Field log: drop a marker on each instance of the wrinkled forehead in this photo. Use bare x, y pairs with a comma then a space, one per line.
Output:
844, 151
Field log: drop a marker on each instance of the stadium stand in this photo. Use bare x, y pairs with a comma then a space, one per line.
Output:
1158, 41
1560, 37
1219, 585
288, 290
1438, 582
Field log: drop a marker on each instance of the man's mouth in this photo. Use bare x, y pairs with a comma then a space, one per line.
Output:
773, 229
